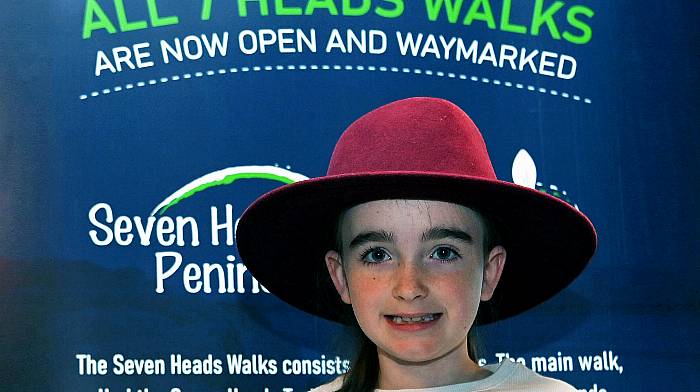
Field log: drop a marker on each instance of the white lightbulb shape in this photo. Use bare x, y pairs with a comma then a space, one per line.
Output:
524, 171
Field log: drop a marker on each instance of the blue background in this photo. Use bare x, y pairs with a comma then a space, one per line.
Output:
628, 159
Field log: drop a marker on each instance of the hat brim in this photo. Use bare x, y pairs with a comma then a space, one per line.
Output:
283, 236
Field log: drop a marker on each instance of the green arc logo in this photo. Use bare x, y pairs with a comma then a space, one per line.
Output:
226, 177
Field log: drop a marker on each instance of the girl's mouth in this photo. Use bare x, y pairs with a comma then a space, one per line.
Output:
413, 319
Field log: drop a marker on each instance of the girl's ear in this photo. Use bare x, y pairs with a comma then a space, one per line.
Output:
492, 271
335, 268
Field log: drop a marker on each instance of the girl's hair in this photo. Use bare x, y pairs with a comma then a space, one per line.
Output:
364, 372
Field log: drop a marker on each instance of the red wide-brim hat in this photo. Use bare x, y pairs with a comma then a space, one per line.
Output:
416, 148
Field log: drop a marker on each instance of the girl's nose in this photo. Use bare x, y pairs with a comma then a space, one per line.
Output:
409, 282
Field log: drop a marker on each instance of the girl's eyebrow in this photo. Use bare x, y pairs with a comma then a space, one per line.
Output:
371, 236
440, 232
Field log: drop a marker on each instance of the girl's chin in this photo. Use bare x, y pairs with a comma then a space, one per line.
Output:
409, 355
423, 351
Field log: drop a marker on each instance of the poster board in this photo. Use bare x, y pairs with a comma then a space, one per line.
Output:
120, 113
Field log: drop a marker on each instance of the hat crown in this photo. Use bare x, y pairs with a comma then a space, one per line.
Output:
413, 135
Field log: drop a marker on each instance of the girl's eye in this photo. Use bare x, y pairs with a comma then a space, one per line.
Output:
375, 255
444, 254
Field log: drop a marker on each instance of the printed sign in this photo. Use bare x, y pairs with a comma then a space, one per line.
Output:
136, 132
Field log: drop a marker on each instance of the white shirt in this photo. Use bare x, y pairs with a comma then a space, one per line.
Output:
507, 376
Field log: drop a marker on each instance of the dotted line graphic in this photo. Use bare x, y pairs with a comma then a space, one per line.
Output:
336, 67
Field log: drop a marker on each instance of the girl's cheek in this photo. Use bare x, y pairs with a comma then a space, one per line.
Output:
372, 284
369, 281
458, 282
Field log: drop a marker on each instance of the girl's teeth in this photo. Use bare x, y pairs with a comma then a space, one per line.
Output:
419, 319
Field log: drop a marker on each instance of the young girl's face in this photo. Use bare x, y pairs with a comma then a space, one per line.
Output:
414, 272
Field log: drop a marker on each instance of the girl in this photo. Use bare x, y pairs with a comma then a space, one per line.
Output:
415, 230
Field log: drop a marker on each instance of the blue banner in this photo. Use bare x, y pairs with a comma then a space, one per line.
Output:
135, 132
